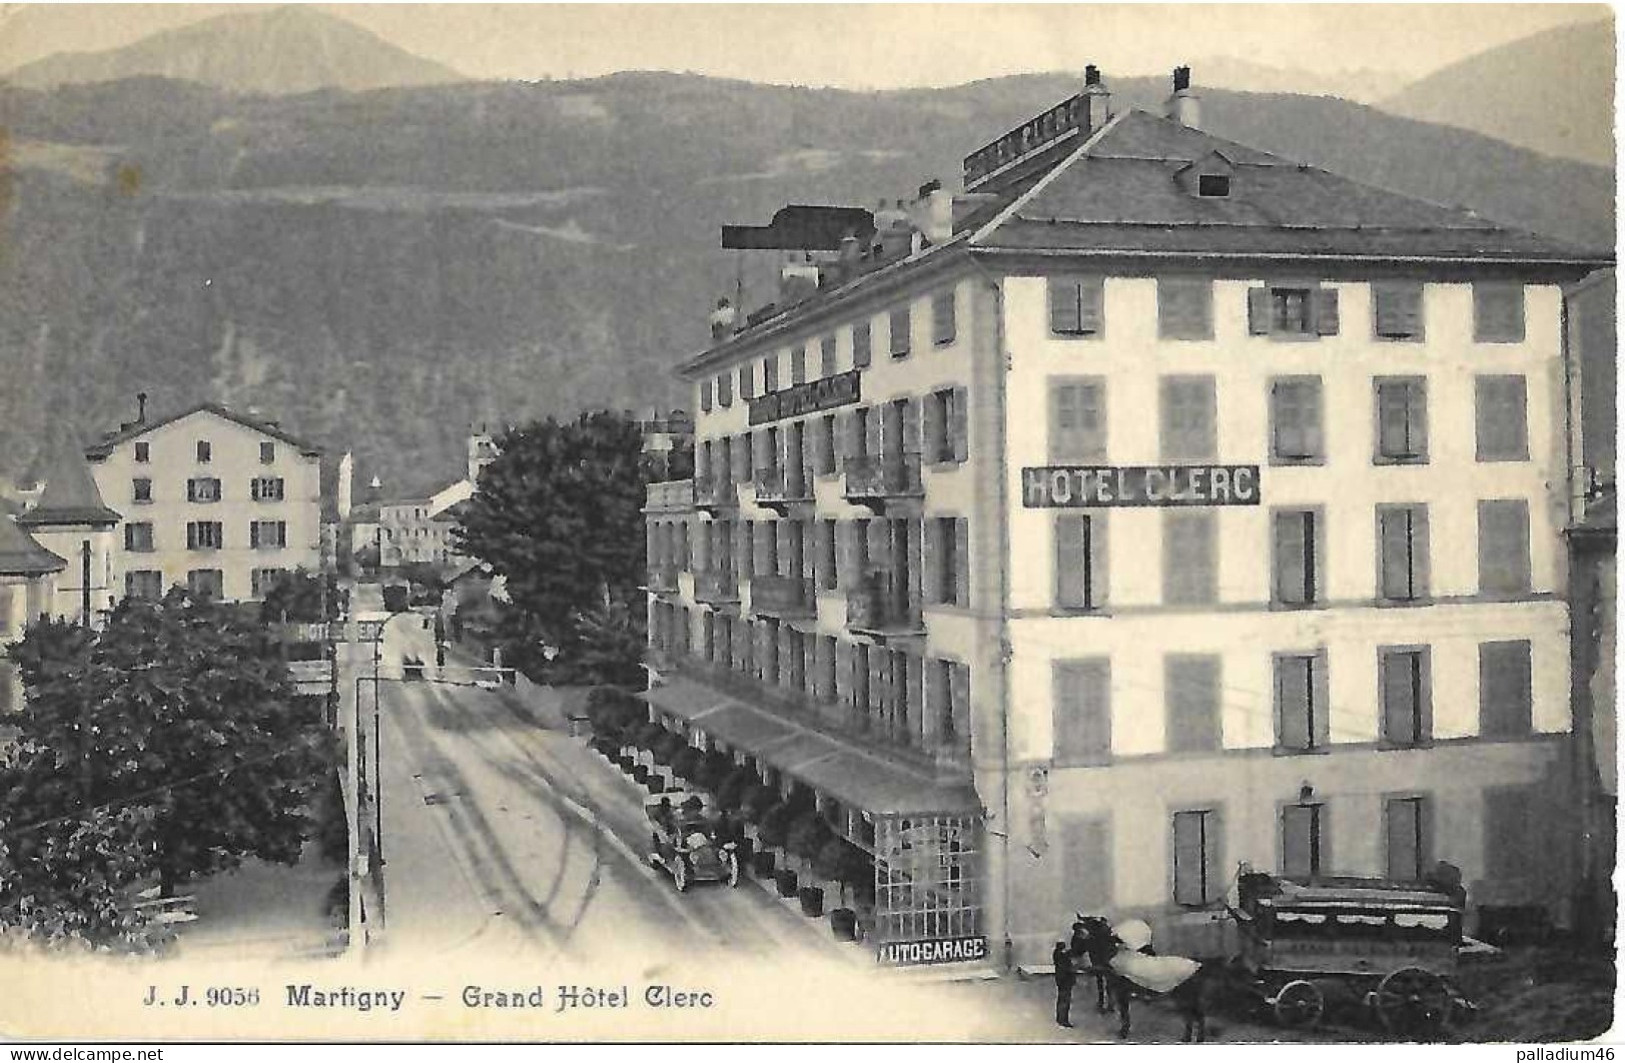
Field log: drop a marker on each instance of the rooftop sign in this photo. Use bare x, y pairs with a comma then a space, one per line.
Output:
1128, 486
1055, 123
842, 389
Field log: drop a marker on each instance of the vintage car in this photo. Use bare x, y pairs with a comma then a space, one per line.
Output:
685, 840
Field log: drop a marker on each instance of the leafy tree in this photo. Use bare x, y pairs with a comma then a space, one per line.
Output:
178, 710
559, 514
303, 597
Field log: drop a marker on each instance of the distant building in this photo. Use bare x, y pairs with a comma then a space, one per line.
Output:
28, 576
417, 530
1155, 505
216, 500
71, 521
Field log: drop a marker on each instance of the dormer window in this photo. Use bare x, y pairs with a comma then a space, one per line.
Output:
1213, 185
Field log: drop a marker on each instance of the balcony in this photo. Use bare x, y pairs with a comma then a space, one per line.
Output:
777, 488
715, 494
672, 496
714, 587
663, 578
873, 481
882, 611
786, 597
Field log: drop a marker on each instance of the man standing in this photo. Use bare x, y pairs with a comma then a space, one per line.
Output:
1065, 978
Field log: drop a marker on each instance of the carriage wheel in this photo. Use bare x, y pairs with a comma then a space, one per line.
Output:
679, 874
1299, 1005
732, 867
1412, 1002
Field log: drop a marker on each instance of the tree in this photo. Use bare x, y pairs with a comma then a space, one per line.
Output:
302, 597
182, 711
559, 513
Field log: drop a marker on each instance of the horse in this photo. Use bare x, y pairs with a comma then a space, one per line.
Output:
1123, 960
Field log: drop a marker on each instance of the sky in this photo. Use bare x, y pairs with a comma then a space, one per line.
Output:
881, 45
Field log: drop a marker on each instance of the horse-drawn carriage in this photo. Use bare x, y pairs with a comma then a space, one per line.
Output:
1303, 945
686, 840
1307, 944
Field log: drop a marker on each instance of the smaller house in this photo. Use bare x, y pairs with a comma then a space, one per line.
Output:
28, 574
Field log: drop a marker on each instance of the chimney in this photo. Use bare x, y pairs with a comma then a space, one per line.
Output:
723, 320
141, 407
1097, 100
1185, 106
932, 214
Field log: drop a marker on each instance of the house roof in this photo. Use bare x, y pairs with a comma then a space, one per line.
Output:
139, 429
1119, 193
70, 495
21, 555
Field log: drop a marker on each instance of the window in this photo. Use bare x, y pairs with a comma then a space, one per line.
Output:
204, 535
1077, 419
1509, 834
1404, 683
1505, 689
1301, 722
1080, 560
267, 453
1191, 693
1409, 842
746, 381
143, 452
1086, 862
266, 489
203, 489
725, 390
268, 534
144, 583
944, 317
1082, 713
1501, 404
947, 561
705, 396
1295, 420
1189, 430
828, 570
204, 452
1184, 308
1302, 839
901, 332
205, 584
1402, 553
1396, 311
262, 580
946, 438
1402, 420
141, 489
1296, 556
1213, 185
1077, 306
1292, 312
770, 374
1189, 565
138, 537
1198, 868
1498, 313
1503, 546
860, 344
826, 356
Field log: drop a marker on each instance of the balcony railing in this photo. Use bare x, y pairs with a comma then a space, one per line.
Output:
880, 608
783, 596
870, 478
672, 496
663, 577
716, 492
715, 587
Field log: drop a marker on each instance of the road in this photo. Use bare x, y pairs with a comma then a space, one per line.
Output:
505, 838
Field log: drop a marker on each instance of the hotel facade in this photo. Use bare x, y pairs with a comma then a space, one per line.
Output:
1152, 507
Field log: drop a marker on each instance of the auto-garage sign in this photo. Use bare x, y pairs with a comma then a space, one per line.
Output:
966, 949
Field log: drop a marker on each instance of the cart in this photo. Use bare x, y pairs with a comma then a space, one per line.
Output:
685, 840
1391, 947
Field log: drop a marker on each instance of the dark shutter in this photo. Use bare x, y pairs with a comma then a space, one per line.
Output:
935, 428
1298, 855
1092, 306
899, 332
1508, 840
1501, 404
798, 364
1402, 692
1258, 311
944, 323
1191, 690
861, 340
1405, 826
1082, 700
1292, 557
1505, 697
932, 560
1086, 866
705, 395
1326, 318
1184, 309
1294, 679
1189, 569
1071, 532
826, 356
1503, 546
962, 561
959, 424
1498, 313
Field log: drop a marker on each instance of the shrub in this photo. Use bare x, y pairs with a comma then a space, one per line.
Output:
712, 769
774, 827
646, 735
812, 901
786, 882
762, 864
686, 764
807, 836
666, 746
732, 790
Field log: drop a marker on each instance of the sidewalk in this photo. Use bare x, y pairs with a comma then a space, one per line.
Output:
265, 911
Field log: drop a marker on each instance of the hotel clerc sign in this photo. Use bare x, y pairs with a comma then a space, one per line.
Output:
1109, 486
842, 389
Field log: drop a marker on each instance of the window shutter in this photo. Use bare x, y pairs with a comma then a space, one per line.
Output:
1503, 546
873, 443
1508, 838
1296, 824
932, 560
1401, 685
1292, 694
1326, 322
944, 323
1504, 689
962, 561
1258, 311
1188, 565
1069, 559
959, 690
959, 424
705, 395
1064, 318
911, 426
843, 673
861, 341
1403, 831
1291, 559
826, 356
798, 364
1501, 404
899, 332
1394, 533
1190, 857
1082, 700
1498, 313
1092, 306
934, 428
1191, 685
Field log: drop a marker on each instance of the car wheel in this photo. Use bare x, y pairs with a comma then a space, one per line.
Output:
679, 874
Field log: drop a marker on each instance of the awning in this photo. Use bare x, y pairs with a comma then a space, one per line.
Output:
852, 775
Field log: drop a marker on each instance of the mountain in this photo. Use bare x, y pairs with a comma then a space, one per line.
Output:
1552, 92
379, 269
281, 51
1243, 75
